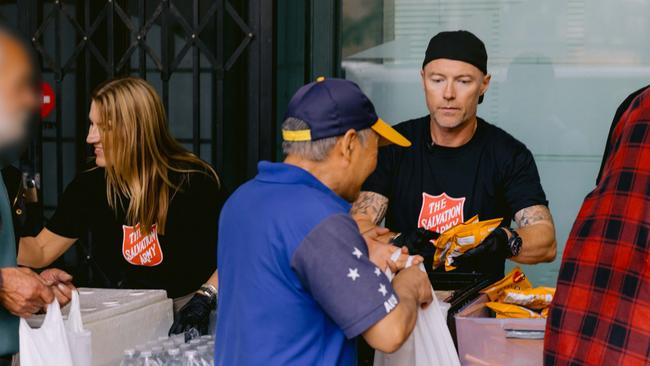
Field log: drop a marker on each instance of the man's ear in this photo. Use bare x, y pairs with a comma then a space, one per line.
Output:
486, 83
348, 143
422, 79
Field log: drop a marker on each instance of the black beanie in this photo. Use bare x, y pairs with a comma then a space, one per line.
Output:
460, 46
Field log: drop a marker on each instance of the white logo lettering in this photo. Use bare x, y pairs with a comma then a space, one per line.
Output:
390, 304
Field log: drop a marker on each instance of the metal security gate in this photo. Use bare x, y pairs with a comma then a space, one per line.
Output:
210, 60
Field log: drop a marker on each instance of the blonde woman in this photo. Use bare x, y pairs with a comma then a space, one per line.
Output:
151, 207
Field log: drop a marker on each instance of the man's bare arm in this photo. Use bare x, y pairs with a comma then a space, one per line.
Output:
369, 209
537, 231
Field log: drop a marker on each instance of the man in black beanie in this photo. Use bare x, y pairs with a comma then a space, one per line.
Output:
459, 166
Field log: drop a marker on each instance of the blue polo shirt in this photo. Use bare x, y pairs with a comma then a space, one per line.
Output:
295, 282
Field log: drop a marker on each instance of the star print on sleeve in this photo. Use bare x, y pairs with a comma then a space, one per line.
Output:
333, 267
353, 274
382, 289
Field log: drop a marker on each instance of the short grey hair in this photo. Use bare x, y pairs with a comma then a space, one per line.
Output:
312, 150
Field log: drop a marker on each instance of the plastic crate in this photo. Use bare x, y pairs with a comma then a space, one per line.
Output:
484, 340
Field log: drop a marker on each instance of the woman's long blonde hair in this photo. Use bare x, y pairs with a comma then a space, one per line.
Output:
140, 152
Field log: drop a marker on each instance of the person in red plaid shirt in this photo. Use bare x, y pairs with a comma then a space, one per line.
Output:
601, 311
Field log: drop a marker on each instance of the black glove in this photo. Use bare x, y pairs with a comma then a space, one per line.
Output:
194, 315
417, 241
494, 246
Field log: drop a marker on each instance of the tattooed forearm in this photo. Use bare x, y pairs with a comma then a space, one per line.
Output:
533, 214
372, 205
537, 233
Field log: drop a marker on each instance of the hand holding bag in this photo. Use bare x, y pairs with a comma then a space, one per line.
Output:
47, 345
430, 342
57, 342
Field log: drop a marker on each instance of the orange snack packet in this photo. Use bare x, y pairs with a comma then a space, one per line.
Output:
459, 239
537, 298
545, 313
512, 311
443, 243
468, 237
516, 280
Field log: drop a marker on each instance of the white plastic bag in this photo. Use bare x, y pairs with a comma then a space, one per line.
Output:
56, 342
47, 345
79, 339
429, 344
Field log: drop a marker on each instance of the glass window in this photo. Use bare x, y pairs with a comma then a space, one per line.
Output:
559, 70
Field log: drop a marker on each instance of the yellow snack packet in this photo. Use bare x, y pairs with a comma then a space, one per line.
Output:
516, 280
461, 238
474, 233
448, 235
536, 298
545, 313
444, 242
512, 311
467, 237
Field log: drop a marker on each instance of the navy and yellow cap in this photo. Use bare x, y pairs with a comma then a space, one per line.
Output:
331, 107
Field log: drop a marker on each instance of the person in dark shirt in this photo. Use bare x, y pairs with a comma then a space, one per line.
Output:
459, 166
150, 206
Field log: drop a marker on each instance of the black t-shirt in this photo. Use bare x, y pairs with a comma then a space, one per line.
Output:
179, 261
493, 175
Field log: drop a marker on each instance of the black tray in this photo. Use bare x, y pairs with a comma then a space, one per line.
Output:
465, 286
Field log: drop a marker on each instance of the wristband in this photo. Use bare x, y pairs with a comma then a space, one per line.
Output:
209, 291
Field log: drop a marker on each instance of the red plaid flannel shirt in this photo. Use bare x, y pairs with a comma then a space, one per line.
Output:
601, 311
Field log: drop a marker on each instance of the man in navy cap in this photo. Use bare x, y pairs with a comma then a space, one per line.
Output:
459, 166
297, 282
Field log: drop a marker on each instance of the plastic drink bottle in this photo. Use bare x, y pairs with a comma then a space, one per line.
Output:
178, 339
173, 358
130, 358
206, 338
196, 342
159, 354
206, 355
191, 359
147, 359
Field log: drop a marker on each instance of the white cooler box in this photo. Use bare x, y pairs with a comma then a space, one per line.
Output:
121, 319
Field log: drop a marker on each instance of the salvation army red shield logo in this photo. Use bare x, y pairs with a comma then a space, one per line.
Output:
139, 249
439, 213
